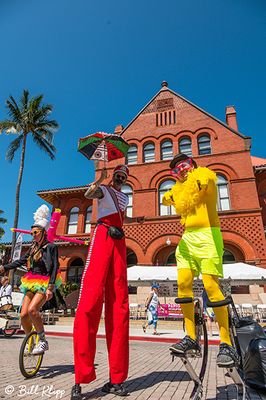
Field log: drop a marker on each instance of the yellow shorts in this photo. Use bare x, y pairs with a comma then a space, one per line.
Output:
201, 249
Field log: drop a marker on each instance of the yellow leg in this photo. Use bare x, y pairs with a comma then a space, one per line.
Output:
185, 282
211, 284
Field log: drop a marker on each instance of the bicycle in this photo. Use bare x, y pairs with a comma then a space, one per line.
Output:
9, 323
29, 364
201, 330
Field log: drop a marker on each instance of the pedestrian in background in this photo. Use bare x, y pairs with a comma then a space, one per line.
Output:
152, 303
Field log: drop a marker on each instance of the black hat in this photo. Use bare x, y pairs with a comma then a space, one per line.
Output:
181, 157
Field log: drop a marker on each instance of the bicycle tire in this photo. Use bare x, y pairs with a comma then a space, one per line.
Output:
9, 332
29, 339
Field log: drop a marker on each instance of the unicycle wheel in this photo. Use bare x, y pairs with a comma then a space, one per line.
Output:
29, 364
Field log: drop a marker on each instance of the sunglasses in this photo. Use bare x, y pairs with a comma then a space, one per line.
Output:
34, 233
122, 177
183, 166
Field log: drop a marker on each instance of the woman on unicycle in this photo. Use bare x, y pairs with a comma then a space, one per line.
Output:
40, 280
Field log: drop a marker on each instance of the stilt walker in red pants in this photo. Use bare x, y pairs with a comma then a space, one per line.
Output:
105, 276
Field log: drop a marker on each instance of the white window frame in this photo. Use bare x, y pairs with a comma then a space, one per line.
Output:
166, 149
187, 147
223, 195
165, 210
73, 225
88, 220
127, 189
204, 144
132, 154
149, 152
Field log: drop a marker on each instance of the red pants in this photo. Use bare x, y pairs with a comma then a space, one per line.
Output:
105, 275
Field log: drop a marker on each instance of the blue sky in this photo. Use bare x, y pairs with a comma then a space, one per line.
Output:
100, 62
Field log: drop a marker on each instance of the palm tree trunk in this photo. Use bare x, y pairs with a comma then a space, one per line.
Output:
20, 174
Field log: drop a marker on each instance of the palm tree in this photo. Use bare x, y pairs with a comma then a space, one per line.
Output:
2, 221
28, 116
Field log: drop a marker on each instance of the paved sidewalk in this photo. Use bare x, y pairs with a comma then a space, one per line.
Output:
152, 374
166, 332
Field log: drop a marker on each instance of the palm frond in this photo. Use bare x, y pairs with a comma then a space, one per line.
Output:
44, 145
13, 110
3, 221
48, 125
24, 100
46, 134
34, 103
2, 232
13, 147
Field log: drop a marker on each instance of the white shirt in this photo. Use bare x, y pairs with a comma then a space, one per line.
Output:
106, 205
5, 290
155, 300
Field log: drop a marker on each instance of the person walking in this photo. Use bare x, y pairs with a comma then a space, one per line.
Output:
152, 303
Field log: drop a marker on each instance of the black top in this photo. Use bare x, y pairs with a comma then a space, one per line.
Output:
47, 265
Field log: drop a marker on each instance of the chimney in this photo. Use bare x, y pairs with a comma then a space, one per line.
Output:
118, 129
230, 114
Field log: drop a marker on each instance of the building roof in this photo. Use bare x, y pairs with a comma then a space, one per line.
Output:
165, 88
50, 195
258, 163
59, 242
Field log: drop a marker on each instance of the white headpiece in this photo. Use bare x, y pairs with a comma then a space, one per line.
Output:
41, 217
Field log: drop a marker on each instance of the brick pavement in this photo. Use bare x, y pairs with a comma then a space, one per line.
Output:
152, 375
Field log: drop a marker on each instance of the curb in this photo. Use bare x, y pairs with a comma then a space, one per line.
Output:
135, 338
214, 342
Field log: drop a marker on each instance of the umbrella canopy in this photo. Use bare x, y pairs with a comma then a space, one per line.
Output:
103, 146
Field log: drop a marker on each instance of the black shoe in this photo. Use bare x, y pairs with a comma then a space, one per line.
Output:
227, 356
186, 346
118, 389
76, 392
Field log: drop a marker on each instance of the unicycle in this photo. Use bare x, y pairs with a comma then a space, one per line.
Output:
29, 364
236, 371
201, 333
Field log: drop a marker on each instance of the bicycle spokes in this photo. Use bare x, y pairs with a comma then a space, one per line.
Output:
29, 364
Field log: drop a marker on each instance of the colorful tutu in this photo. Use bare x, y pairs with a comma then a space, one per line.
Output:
37, 283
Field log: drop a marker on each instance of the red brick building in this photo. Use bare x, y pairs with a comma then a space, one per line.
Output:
167, 125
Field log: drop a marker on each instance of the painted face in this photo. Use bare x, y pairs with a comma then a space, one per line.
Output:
119, 179
180, 171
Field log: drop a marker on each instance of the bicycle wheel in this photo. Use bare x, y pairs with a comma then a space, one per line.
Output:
29, 364
8, 332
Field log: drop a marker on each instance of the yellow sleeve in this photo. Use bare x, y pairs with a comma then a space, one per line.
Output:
168, 199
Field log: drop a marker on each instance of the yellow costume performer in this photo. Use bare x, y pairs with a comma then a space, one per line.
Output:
200, 250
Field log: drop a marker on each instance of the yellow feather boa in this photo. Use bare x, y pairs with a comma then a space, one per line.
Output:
187, 195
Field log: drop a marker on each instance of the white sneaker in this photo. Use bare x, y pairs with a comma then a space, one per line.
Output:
40, 348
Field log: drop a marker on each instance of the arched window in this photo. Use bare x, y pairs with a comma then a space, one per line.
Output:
149, 152
129, 192
73, 220
171, 260
166, 149
185, 146
223, 201
204, 144
131, 259
88, 220
75, 270
228, 257
163, 188
132, 155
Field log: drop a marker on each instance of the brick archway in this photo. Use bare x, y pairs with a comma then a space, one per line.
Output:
158, 245
240, 244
